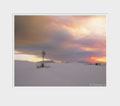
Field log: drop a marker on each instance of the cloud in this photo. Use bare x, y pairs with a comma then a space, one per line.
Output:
59, 36
31, 29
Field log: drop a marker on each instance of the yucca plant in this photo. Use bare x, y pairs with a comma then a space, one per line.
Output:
43, 55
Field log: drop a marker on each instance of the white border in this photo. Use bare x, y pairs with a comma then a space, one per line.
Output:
56, 96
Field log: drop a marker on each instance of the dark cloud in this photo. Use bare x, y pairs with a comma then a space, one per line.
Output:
91, 41
31, 29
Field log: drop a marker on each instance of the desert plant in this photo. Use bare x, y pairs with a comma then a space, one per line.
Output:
43, 55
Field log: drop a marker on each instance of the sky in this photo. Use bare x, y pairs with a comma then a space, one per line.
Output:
65, 38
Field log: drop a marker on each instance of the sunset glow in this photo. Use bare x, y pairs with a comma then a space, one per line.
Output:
98, 59
30, 58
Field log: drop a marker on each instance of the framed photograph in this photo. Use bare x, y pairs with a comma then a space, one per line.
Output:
60, 49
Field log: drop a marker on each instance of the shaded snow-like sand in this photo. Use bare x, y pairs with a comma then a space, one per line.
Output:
59, 74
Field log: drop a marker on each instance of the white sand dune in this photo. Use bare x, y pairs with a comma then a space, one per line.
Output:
59, 74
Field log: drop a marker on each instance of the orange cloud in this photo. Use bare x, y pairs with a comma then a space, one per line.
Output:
85, 48
97, 59
81, 26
